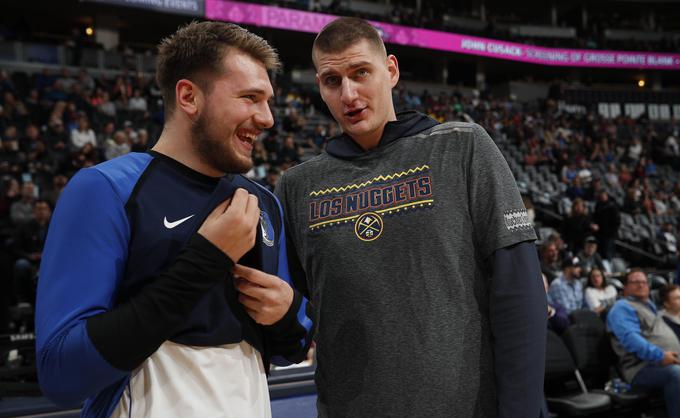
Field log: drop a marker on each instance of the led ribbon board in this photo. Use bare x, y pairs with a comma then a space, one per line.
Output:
301, 21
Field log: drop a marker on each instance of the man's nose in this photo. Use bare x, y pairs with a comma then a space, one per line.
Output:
348, 91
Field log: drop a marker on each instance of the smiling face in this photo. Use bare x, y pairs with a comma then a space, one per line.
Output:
356, 85
235, 111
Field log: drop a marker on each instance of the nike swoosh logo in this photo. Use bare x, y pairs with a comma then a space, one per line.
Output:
171, 225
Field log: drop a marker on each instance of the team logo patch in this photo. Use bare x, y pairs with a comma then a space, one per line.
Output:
368, 226
267, 229
517, 219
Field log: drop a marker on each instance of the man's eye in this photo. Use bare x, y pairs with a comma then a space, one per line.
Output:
249, 97
331, 81
362, 73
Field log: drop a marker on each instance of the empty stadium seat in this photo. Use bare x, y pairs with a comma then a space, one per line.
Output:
561, 369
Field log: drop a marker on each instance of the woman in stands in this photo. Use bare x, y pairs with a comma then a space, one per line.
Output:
670, 297
599, 295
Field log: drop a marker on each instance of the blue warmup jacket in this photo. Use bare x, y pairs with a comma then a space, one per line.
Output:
123, 270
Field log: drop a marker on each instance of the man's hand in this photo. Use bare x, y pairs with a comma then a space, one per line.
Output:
670, 357
232, 225
265, 297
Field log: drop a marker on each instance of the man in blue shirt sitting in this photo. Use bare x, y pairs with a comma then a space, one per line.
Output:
647, 348
567, 290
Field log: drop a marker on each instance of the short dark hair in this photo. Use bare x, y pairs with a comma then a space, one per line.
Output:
630, 272
39, 201
344, 32
665, 291
198, 48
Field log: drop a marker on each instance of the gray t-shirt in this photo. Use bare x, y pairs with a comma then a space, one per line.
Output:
395, 247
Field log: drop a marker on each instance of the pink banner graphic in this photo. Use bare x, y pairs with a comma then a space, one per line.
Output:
295, 20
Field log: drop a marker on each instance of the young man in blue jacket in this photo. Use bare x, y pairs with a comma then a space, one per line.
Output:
142, 308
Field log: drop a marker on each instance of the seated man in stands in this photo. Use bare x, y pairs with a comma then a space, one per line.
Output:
567, 289
550, 260
589, 257
646, 346
558, 320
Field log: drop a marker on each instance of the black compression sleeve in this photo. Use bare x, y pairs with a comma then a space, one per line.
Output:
129, 333
518, 324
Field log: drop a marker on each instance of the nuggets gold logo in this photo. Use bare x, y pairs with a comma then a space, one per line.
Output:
368, 226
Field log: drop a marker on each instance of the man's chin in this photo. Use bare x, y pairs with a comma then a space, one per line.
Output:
240, 166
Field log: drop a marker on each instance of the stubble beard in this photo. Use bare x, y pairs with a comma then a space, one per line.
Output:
218, 154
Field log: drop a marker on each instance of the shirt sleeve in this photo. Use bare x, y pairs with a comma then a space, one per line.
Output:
291, 336
496, 208
624, 323
83, 260
518, 324
556, 292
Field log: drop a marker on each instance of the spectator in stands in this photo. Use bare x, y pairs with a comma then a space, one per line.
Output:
28, 245
670, 298
558, 319
577, 226
137, 102
660, 202
116, 146
666, 236
272, 178
105, 106
612, 176
83, 134
576, 189
290, 152
635, 151
567, 289
86, 157
551, 264
130, 132
52, 195
632, 203
106, 133
11, 192
9, 153
599, 295
260, 157
589, 256
625, 175
31, 137
608, 220
317, 140
671, 148
21, 211
142, 142
646, 346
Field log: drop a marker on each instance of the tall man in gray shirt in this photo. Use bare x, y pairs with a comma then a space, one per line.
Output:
412, 241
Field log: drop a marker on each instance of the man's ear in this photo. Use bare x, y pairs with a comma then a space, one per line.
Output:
189, 98
393, 68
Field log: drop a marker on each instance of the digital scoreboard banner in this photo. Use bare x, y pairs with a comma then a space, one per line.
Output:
295, 20
183, 7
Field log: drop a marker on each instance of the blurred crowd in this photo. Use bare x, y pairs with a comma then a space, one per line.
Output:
53, 124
